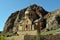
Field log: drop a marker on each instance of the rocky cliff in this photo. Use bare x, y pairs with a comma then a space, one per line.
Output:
49, 20
53, 20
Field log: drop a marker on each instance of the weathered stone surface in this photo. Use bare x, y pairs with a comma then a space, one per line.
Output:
53, 22
35, 13
30, 21
48, 21
50, 37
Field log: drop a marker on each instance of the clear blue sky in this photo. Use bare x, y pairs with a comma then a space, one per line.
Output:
9, 6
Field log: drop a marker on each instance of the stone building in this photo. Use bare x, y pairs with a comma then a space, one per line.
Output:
26, 26
28, 21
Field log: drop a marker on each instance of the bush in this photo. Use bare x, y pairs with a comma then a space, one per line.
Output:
41, 38
2, 37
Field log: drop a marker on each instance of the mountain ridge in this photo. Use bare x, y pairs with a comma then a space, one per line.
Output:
35, 13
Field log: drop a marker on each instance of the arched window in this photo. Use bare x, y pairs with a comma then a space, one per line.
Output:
26, 26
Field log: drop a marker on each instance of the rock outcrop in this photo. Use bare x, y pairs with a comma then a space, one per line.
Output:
53, 20
21, 25
49, 20
36, 12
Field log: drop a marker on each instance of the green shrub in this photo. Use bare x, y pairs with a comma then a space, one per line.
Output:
2, 37
41, 38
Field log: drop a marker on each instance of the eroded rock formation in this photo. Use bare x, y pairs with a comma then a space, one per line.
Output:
35, 13
53, 20
46, 20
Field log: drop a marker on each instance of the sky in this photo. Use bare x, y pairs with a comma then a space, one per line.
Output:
7, 7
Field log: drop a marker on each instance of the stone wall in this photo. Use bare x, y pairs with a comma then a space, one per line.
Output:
33, 32
15, 38
30, 37
51, 37
21, 35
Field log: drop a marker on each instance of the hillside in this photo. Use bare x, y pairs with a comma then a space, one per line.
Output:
35, 11
31, 21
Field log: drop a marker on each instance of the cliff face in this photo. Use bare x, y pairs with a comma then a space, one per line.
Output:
53, 21
49, 20
35, 11
10, 22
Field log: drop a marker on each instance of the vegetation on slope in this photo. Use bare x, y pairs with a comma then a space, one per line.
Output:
2, 37
52, 32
